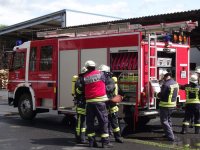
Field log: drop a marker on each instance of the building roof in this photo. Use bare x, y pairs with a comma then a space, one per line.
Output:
193, 15
25, 30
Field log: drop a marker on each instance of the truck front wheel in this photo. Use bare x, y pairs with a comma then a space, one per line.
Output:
25, 107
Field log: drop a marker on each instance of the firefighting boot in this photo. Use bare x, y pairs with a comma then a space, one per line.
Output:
118, 138
106, 143
78, 138
184, 129
82, 138
197, 130
92, 142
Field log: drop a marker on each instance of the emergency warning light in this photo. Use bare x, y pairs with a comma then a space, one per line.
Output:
167, 38
184, 39
179, 37
18, 42
175, 37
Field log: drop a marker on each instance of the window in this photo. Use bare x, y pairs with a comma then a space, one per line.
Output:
46, 58
18, 60
33, 54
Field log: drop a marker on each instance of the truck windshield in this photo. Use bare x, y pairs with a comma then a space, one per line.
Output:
18, 60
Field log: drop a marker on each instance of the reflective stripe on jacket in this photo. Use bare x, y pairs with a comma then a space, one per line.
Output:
98, 99
192, 95
79, 90
116, 86
169, 93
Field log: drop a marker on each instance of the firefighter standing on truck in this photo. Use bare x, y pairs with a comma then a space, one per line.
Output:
167, 104
79, 98
95, 94
192, 104
112, 90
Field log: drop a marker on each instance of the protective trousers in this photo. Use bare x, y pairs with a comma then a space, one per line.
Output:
81, 123
113, 118
191, 110
98, 110
165, 119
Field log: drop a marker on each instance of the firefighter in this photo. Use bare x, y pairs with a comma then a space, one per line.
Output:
167, 104
80, 108
112, 90
192, 108
197, 70
95, 94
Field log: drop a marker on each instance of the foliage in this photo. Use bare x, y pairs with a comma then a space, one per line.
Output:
2, 26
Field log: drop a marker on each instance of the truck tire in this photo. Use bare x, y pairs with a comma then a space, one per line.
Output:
25, 107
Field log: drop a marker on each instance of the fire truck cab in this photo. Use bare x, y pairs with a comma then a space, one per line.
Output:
41, 71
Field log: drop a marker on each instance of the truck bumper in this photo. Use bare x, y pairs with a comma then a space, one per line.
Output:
11, 95
10, 98
149, 113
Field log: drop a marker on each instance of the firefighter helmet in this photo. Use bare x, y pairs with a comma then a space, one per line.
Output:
194, 78
104, 68
90, 63
197, 69
168, 74
84, 70
164, 72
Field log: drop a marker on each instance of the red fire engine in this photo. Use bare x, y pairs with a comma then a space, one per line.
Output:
41, 71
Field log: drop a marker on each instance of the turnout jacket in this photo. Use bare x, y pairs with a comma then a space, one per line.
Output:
79, 90
110, 85
168, 94
95, 87
192, 93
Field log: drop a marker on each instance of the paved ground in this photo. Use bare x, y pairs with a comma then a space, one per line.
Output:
152, 133
48, 131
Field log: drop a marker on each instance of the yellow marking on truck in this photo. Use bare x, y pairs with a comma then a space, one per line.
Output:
197, 144
11, 114
15, 126
162, 145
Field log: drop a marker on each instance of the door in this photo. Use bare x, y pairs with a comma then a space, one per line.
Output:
33, 68
68, 66
98, 55
42, 73
17, 69
182, 69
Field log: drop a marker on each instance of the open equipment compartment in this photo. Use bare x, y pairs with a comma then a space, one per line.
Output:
124, 65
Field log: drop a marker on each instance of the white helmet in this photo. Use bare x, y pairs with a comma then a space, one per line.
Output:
90, 63
84, 70
197, 69
104, 68
164, 72
194, 78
